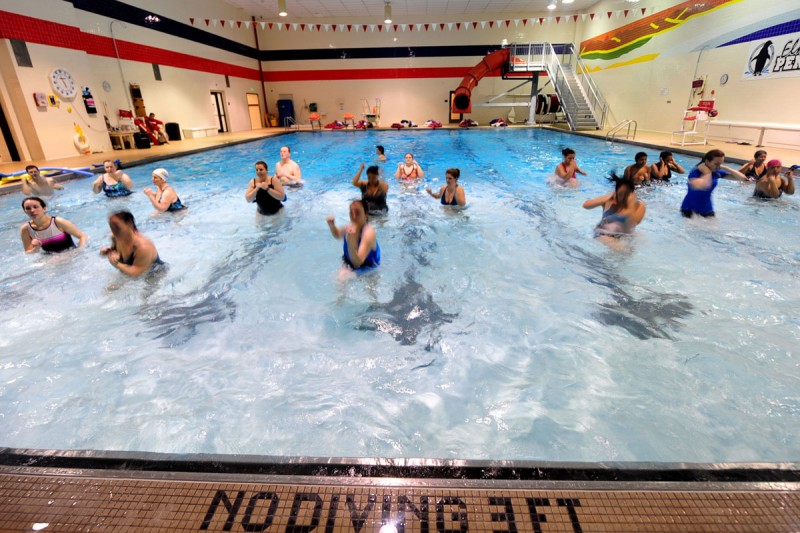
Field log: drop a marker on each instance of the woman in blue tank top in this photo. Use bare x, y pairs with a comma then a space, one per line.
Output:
361, 250
702, 180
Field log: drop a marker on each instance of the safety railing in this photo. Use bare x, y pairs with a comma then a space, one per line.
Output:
614, 132
559, 79
289, 123
596, 102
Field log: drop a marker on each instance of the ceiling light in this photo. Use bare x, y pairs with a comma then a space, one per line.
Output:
387, 13
568, 1
552, 5
282, 8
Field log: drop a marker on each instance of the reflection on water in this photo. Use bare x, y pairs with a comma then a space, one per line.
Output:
500, 331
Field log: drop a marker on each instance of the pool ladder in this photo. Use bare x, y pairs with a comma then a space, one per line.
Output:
290, 124
615, 132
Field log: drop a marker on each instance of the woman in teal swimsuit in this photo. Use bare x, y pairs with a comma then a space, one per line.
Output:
114, 182
622, 212
163, 197
361, 249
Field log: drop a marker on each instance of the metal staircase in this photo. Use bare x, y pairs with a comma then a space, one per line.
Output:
583, 105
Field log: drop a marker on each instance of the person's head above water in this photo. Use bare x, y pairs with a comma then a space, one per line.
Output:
452, 174
380, 149
373, 173
33, 200
623, 187
160, 173
358, 214
122, 222
641, 158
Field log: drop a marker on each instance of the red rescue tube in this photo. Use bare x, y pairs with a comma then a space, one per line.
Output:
462, 102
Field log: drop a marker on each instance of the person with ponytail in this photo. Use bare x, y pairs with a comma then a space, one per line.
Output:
622, 211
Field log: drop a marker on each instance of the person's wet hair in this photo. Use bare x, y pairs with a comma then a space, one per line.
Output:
29, 167
263, 164
665, 154
363, 205
640, 155
759, 153
380, 149
35, 198
619, 183
713, 154
374, 169
126, 217
453, 172
567, 151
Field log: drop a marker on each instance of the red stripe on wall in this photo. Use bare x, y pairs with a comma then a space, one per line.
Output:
24, 28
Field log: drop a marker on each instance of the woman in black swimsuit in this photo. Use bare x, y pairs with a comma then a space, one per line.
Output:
266, 191
130, 252
662, 171
756, 167
373, 191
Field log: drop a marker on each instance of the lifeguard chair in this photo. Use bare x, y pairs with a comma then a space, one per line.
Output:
372, 114
315, 117
349, 120
693, 120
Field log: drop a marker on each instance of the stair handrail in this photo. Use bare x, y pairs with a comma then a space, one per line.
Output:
556, 73
597, 103
612, 133
289, 123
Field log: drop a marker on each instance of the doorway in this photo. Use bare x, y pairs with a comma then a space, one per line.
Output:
218, 107
455, 118
254, 110
9, 148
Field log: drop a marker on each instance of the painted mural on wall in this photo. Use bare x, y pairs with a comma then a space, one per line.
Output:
776, 57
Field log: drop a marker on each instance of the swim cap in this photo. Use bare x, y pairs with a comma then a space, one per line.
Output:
774, 163
164, 175
794, 167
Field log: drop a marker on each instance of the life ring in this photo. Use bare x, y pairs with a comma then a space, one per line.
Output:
555, 104
81, 145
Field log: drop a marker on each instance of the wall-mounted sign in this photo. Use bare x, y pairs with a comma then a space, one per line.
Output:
776, 57
40, 99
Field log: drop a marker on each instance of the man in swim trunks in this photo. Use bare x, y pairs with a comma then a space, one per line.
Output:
639, 172
34, 184
287, 170
772, 184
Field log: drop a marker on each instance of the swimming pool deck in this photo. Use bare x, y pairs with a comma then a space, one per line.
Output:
105, 491
52, 490
735, 153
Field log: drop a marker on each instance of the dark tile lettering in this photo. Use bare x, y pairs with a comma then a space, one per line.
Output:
507, 516
232, 508
537, 518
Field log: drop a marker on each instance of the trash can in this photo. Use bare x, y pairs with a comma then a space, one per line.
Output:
141, 140
173, 130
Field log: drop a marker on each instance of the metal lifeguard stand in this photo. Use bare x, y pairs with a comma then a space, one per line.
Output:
372, 114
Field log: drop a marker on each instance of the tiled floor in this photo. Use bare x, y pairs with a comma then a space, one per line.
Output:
98, 501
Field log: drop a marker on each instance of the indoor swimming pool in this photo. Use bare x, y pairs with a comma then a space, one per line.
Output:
501, 331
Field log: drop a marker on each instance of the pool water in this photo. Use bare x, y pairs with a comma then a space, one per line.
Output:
501, 331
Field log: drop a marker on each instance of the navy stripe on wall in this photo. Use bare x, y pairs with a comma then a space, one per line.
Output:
115, 9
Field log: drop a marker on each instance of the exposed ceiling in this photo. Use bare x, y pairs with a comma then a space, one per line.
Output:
434, 10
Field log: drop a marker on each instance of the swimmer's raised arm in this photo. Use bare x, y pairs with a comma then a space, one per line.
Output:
97, 185
337, 232
731, 172
599, 201
357, 177
436, 195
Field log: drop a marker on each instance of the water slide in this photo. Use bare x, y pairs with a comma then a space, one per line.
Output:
462, 102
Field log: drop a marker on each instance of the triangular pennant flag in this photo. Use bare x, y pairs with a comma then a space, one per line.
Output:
516, 23
364, 28
652, 10
294, 26
268, 24
280, 26
410, 27
583, 17
508, 22
558, 19
441, 26
458, 25
247, 24
549, 20
491, 24
419, 27
498, 22
574, 18
318, 26
380, 28
609, 14
326, 26
341, 27
238, 23
466, 26
208, 21
644, 10
591, 16
262, 24
333, 27
403, 27
214, 22
191, 21
475, 24
302, 27
433, 26
541, 21
524, 22
626, 13
426, 27
349, 27
371, 27
222, 23
394, 26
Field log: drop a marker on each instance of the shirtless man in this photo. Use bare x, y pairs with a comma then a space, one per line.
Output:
38, 185
287, 170
639, 172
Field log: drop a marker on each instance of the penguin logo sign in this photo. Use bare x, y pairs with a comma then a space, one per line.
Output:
760, 59
778, 57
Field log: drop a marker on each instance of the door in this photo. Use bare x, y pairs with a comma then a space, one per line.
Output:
455, 118
254, 110
8, 148
218, 107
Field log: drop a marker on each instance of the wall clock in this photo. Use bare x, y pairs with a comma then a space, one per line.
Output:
106, 86
63, 83
723, 79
